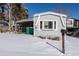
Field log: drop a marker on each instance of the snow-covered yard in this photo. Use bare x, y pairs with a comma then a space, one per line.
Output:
23, 45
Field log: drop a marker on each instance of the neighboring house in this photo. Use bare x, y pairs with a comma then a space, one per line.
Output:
72, 26
72, 23
69, 23
49, 24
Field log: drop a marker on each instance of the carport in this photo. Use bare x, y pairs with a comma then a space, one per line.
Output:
25, 26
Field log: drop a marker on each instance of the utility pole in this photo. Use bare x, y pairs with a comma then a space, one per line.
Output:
10, 17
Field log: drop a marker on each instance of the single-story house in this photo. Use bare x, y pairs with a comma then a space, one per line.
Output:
49, 24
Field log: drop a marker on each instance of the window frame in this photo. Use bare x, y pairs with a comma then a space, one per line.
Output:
53, 23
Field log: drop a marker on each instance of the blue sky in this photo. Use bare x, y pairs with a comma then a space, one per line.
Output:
73, 8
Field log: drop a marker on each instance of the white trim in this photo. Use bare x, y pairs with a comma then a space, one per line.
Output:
77, 23
34, 25
49, 12
72, 23
37, 22
63, 23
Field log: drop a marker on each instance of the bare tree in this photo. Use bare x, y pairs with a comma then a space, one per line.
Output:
15, 11
61, 9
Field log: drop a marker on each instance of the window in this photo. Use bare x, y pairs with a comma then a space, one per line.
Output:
48, 25
69, 22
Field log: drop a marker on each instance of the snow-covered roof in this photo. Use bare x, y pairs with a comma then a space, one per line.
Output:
75, 19
24, 20
49, 12
69, 17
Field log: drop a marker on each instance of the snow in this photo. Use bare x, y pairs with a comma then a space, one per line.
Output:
12, 44
72, 46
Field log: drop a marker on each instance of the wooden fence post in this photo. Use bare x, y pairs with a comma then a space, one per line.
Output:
63, 41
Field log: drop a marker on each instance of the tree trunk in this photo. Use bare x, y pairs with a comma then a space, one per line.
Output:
10, 17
